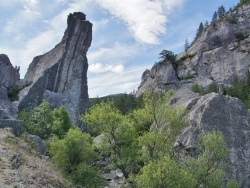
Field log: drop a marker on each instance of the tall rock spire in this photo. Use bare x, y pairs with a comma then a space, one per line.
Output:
60, 75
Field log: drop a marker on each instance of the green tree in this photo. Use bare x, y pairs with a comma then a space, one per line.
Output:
61, 122
221, 11
215, 17
75, 148
38, 121
209, 166
166, 55
119, 140
186, 46
164, 173
207, 169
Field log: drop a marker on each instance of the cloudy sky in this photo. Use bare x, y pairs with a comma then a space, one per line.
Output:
128, 35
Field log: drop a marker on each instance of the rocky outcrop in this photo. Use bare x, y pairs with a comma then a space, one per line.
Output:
221, 113
60, 75
36, 143
221, 53
161, 77
9, 76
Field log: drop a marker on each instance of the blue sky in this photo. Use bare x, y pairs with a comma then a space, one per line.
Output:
128, 35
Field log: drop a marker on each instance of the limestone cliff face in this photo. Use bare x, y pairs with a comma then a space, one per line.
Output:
221, 53
60, 75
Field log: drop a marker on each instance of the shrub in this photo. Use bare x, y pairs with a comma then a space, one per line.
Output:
44, 122
239, 35
212, 88
13, 91
198, 89
87, 176
75, 148
241, 90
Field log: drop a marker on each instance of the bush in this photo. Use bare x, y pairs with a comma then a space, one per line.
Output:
212, 88
198, 89
44, 122
241, 90
75, 148
13, 91
87, 176
239, 35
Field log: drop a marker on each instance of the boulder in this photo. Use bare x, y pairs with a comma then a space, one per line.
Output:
36, 143
60, 75
229, 116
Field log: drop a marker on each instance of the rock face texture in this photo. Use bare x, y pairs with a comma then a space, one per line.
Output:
161, 77
60, 75
221, 53
9, 76
221, 113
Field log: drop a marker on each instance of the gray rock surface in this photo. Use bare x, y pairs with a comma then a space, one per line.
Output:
216, 57
36, 143
229, 116
15, 125
60, 75
161, 77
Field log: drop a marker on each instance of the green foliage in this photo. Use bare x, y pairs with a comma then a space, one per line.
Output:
141, 145
75, 148
44, 122
212, 88
164, 173
187, 56
87, 176
166, 55
102, 117
239, 35
207, 169
13, 91
125, 103
198, 89
140, 120
244, 2
241, 90
61, 123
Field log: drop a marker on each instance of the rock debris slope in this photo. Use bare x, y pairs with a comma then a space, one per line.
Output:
60, 75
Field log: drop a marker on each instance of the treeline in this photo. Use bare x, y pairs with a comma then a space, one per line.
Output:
124, 102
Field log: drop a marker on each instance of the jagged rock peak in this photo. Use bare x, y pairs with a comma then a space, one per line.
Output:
4, 59
60, 75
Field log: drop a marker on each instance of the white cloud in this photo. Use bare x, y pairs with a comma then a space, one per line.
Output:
23, 19
100, 68
111, 83
115, 54
146, 19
